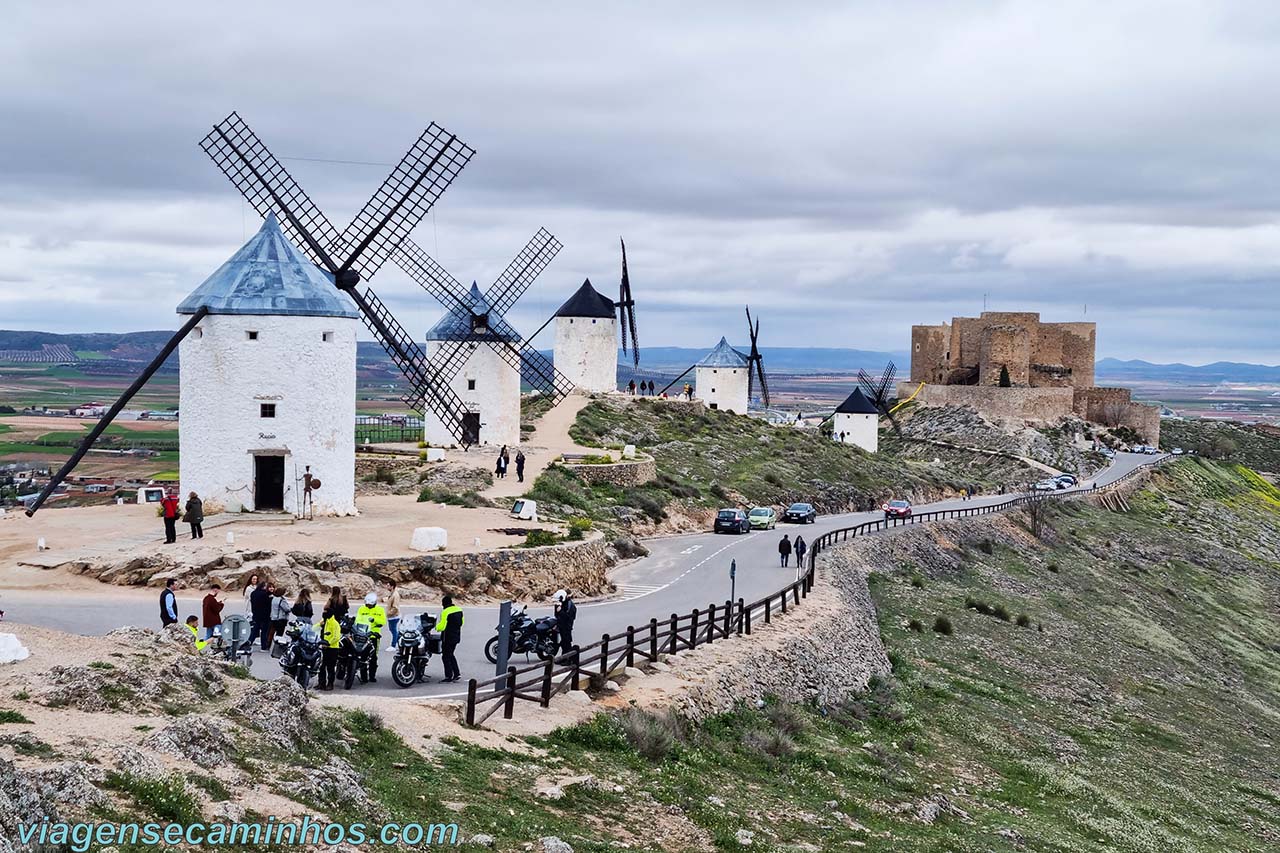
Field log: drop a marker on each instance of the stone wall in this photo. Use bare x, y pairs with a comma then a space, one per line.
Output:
1114, 407
1079, 341
824, 651
929, 346
1005, 346
635, 472
1032, 404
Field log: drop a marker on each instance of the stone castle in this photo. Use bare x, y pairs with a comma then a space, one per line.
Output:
1011, 365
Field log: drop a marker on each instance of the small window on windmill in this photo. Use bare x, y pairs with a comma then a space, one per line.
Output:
471, 385
593, 322
253, 336
197, 332
327, 337
267, 410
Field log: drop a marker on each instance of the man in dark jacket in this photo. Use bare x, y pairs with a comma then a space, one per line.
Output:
168, 604
211, 611
260, 616
449, 626
784, 549
566, 613
800, 547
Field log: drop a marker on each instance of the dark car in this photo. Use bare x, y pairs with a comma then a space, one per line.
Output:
1066, 481
800, 514
897, 509
732, 521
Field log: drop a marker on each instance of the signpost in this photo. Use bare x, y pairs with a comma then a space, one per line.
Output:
733, 579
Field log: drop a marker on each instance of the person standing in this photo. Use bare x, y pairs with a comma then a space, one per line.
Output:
193, 627
566, 614
371, 614
169, 510
168, 604
337, 604
520, 465
393, 612
800, 547
449, 626
280, 609
500, 467
650, 387
631, 387
195, 515
259, 616
248, 593
330, 637
211, 611
302, 607
784, 549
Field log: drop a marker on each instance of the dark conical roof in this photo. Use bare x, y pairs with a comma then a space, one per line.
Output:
587, 302
857, 404
456, 324
268, 275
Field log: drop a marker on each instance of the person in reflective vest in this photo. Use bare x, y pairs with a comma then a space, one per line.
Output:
331, 636
449, 626
372, 614
193, 625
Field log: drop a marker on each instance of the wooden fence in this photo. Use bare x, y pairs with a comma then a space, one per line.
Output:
702, 626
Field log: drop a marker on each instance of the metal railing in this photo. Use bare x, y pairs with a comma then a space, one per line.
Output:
702, 626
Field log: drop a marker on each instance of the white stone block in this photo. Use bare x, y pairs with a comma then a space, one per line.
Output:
231, 538
429, 539
435, 454
629, 452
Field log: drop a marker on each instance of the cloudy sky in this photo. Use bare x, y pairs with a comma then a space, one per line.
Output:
847, 168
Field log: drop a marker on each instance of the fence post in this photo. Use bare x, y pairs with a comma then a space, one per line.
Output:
675, 636
653, 639
768, 610
604, 656
577, 672
509, 707
748, 620
693, 630
784, 601
471, 702
631, 645
711, 623
795, 590
742, 606
546, 683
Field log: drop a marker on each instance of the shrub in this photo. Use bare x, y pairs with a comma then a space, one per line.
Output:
422, 445
7, 716
986, 547
651, 735
917, 581
1024, 621
785, 718
1053, 567
915, 625
381, 474
578, 528
165, 799
942, 625
1001, 612
980, 606
538, 538
773, 743
422, 456
719, 492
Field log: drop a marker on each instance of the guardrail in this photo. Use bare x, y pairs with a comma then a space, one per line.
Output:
702, 626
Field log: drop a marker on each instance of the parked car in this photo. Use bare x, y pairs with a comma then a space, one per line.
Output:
732, 521
897, 509
1045, 486
763, 518
1108, 452
1177, 451
800, 514
1067, 481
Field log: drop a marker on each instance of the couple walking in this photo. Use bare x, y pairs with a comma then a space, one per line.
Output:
786, 547
504, 459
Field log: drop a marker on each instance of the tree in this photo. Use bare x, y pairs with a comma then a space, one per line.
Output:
1004, 376
1035, 503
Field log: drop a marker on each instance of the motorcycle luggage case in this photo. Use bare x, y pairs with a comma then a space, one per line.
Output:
433, 644
278, 646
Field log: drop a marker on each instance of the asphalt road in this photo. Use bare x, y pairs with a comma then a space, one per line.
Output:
680, 573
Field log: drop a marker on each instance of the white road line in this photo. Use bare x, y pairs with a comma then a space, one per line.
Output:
690, 549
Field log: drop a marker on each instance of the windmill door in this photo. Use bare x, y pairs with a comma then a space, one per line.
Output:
268, 483
470, 428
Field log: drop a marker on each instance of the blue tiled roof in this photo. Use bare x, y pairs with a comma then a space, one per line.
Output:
455, 325
268, 275
723, 356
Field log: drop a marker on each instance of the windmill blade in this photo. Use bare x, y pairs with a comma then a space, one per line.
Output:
868, 386
269, 188
751, 380
546, 378
627, 305
667, 387
431, 277
399, 204
105, 421
521, 272
764, 383
886, 380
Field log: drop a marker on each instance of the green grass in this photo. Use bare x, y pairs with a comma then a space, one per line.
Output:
163, 799
8, 716
1246, 444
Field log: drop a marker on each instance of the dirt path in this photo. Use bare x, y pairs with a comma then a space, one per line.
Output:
550, 440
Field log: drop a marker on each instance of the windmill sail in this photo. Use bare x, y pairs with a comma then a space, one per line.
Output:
627, 310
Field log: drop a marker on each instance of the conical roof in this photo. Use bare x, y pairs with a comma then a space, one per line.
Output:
268, 275
857, 404
456, 324
723, 356
587, 302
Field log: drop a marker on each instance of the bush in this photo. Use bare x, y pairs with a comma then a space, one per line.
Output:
773, 743
381, 475
1024, 621
471, 500
7, 716
578, 528
980, 606
1053, 567
422, 456
917, 582
986, 547
1001, 612
538, 538
164, 799
651, 735
785, 718
942, 625
422, 445
914, 625
719, 492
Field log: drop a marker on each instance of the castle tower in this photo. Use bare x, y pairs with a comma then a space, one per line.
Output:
856, 421
722, 378
587, 340
486, 384
268, 383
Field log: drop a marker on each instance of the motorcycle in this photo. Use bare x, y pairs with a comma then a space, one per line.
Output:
540, 636
355, 652
414, 651
301, 658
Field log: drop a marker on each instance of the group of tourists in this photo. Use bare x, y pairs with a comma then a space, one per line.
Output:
644, 389
504, 462
788, 546
192, 514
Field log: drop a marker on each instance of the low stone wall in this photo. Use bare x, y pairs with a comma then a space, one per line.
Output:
630, 472
519, 573
1031, 404
824, 651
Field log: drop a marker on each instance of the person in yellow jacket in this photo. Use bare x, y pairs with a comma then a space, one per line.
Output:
330, 637
372, 614
449, 626
193, 625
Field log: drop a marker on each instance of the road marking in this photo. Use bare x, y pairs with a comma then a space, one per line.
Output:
690, 549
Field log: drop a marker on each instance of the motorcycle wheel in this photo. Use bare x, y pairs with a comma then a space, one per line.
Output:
304, 677
547, 649
403, 672
349, 679
491, 650
364, 674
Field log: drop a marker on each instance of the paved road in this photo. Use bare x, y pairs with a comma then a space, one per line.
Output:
680, 573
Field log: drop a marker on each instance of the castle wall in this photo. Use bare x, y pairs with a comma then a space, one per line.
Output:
225, 378
966, 342
929, 346
1031, 404
1114, 407
1079, 344
1006, 346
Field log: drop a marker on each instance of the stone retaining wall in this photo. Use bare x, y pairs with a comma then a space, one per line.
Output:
637, 472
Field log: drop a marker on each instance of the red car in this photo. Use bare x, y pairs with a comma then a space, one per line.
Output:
897, 509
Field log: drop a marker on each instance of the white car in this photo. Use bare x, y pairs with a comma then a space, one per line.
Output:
1045, 486
1177, 451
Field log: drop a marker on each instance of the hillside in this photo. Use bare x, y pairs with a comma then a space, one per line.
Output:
1257, 446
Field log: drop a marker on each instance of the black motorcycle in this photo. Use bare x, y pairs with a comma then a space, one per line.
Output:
540, 636
301, 658
414, 651
355, 653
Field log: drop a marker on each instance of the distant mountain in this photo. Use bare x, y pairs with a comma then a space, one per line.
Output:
1219, 371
